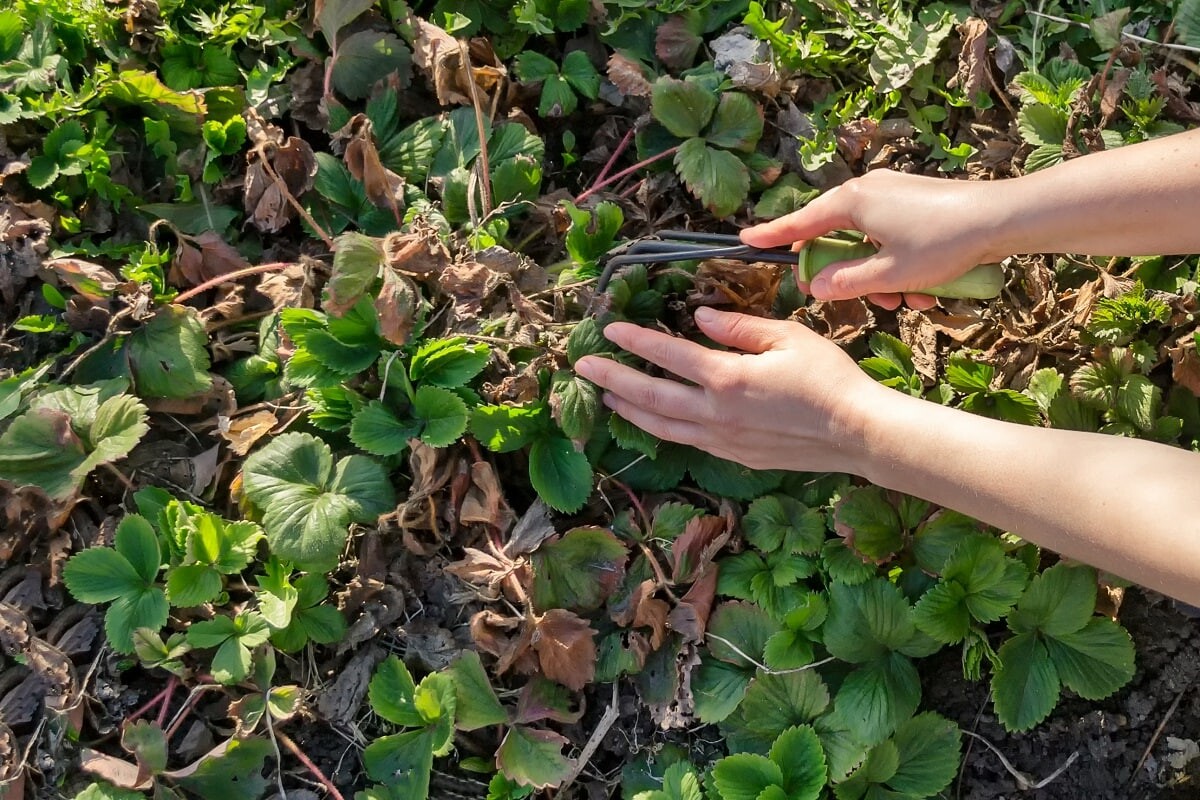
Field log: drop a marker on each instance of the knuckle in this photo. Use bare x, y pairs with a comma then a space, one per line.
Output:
648, 398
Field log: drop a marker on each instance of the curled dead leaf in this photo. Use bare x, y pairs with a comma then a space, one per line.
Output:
243, 432
628, 76
690, 617
278, 168
384, 188
438, 55
201, 258
702, 538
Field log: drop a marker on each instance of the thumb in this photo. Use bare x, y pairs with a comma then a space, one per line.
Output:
828, 212
848, 279
742, 331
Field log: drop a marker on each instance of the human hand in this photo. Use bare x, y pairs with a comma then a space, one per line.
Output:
929, 231
790, 400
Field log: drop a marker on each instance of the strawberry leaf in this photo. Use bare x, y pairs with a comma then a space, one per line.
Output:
1095, 660
402, 761
737, 123
477, 705
503, 429
578, 70
778, 520
532, 757
365, 58
449, 363
169, 354
744, 776
869, 523
443, 413
798, 753
718, 178
391, 693
560, 474
574, 405
683, 107
1059, 601
928, 746
878, 696
307, 505
579, 571
1025, 685
357, 260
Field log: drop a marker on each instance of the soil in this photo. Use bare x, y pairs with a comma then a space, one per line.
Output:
1131, 746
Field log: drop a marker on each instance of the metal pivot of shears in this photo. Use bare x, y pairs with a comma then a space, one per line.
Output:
670, 246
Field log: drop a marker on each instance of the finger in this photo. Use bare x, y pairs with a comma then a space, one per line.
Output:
846, 279
828, 212
746, 333
674, 430
920, 302
657, 395
889, 300
688, 360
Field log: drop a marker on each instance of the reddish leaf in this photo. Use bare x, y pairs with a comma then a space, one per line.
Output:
690, 617
629, 76
201, 258
384, 188
645, 611
578, 571
676, 43
702, 538
397, 307
566, 647
541, 699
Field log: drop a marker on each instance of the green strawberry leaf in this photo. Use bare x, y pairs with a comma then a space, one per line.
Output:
869, 523
169, 354
744, 776
718, 178
775, 520
1025, 685
503, 429
631, 437
1095, 660
579, 571
878, 696
449, 363
587, 337
775, 703
578, 70
532, 66
867, 621
718, 688
402, 762
477, 705
379, 432
561, 475
929, 747
683, 107
357, 260
367, 57
729, 479
236, 775
798, 753
307, 505
737, 123
737, 626
574, 405
145, 608
391, 693
533, 757
1061, 600
443, 413
193, 585
100, 575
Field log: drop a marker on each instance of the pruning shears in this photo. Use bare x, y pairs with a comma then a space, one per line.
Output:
982, 282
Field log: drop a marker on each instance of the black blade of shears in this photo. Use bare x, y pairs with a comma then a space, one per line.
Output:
671, 246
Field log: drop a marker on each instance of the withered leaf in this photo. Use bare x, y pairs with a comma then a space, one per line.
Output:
973, 61
690, 617
628, 76
276, 169
384, 188
1185, 364
90, 280
419, 252
485, 501
701, 540
541, 700
566, 648
242, 432
396, 306
204, 257
646, 611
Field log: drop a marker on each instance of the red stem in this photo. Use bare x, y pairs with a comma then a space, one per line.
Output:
627, 172
229, 277
166, 703
193, 698
158, 698
307, 762
615, 155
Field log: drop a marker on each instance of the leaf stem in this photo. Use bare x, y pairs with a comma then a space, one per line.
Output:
616, 153
229, 277
645, 162
158, 698
166, 700
308, 763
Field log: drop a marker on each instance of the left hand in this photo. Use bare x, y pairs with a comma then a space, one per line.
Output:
790, 400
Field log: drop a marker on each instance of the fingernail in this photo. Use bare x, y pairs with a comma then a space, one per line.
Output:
706, 314
584, 367
819, 286
609, 400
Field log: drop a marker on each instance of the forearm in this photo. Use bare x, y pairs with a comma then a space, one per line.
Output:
1123, 505
1141, 199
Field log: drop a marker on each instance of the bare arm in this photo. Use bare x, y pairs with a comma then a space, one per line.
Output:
1136, 200
793, 400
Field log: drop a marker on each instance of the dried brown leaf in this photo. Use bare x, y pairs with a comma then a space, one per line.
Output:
202, 258
566, 648
973, 61
484, 501
690, 617
629, 76
694, 549
117, 771
396, 305
920, 334
243, 432
384, 188
91, 280
1185, 364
